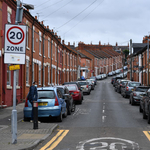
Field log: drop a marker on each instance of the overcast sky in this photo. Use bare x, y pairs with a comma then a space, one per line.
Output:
108, 21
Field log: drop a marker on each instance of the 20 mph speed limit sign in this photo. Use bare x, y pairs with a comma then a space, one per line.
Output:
15, 44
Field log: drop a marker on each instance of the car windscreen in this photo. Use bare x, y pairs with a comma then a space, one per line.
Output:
133, 84
141, 89
82, 83
92, 78
72, 88
46, 94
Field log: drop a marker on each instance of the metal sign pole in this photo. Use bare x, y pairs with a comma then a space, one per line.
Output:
14, 111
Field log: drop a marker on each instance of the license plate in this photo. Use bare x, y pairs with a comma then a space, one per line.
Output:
42, 104
132, 89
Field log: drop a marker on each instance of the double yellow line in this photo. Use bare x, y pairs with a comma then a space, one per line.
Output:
55, 140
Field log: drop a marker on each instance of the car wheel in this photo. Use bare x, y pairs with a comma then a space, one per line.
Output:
129, 101
144, 114
65, 114
59, 118
132, 102
82, 97
140, 109
69, 110
148, 116
80, 102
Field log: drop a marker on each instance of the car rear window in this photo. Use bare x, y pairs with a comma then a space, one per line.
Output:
72, 88
142, 89
46, 94
82, 83
134, 84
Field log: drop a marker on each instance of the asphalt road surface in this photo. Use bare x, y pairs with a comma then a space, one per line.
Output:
105, 121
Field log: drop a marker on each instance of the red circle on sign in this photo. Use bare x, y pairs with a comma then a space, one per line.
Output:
10, 40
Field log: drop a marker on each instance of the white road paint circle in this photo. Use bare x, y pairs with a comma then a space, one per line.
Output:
107, 143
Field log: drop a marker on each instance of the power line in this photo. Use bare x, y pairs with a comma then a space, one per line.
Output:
58, 9
42, 3
50, 5
84, 17
77, 14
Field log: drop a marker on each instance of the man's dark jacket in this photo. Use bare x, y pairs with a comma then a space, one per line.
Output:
33, 94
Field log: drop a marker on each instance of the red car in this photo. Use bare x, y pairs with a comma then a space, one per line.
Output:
75, 92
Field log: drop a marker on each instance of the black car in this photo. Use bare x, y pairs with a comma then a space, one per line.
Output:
116, 84
68, 99
115, 80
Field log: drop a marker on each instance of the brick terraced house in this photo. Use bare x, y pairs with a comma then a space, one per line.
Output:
49, 61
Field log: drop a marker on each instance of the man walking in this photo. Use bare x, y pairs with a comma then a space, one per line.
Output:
33, 96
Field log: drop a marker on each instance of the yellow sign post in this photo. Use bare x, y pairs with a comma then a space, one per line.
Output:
14, 67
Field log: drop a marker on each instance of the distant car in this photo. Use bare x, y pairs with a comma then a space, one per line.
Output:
85, 86
92, 83
68, 99
95, 81
110, 73
116, 84
128, 88
137, 94
75, 92
50, 104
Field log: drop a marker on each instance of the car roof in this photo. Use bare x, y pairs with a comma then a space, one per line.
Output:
46, 88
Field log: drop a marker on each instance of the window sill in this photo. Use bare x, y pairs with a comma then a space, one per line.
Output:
40, 54
17, 87
27, 48
27, 85
33, 51
9, 87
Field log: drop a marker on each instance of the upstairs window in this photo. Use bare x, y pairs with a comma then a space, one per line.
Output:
9, 12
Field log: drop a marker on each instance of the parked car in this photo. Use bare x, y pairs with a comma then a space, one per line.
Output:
137, 94
115, 80
75, 92
50, 104
95, 81
146, 106
86, 88
128, 88
112, 80
91, 83
68, 99
110, 73
78, 85
121, 83
116, 84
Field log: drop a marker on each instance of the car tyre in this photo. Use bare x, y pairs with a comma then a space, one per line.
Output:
69, 110
140, 109
132, 102
144, 114
59, 118
148, 116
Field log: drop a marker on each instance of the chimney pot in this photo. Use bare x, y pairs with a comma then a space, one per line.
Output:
36, 17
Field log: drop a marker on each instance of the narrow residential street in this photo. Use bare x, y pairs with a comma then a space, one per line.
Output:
105, 121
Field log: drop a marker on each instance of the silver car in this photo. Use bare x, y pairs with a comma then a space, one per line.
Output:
85, 86
137, 94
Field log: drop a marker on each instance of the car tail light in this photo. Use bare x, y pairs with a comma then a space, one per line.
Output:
26, 103
127, 88
56, 102
120, 84
87, 86
77, 92
134, 94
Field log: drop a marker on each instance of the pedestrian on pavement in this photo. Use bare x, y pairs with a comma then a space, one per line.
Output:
33, 94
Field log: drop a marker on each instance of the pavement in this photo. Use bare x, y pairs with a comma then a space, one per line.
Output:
27, 137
